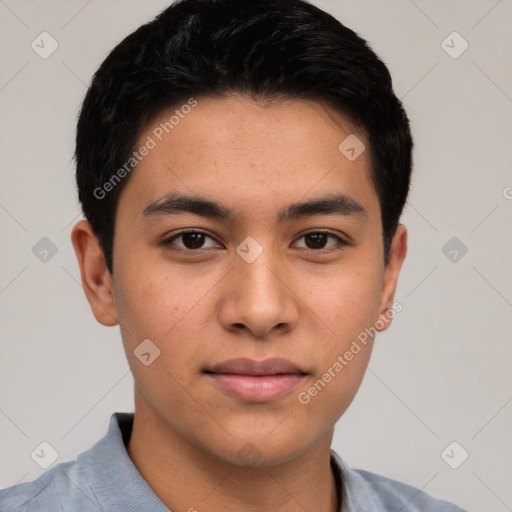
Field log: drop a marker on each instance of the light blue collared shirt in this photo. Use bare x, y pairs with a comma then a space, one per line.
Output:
104, 478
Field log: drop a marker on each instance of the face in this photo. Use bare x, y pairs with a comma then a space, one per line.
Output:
254, 302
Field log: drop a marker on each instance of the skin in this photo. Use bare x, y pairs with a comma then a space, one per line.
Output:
295, 301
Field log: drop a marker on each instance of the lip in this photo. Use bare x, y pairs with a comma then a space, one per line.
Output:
256, 381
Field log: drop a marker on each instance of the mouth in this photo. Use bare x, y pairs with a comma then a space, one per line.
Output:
256, 381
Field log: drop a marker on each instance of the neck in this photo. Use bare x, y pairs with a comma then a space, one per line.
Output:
186, 477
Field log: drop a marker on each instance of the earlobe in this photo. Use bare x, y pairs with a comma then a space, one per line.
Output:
397, 255
96, 279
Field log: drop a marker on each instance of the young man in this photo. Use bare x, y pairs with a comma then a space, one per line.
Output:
242, 167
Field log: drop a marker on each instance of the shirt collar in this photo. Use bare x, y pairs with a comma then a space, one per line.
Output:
115, 481
357, 493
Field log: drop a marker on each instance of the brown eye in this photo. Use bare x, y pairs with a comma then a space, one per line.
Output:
317, 240
190, 240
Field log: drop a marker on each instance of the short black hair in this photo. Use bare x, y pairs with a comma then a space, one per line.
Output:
267, 49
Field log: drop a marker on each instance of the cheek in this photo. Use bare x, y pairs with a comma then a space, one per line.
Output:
342, 360
346, 302
154, 300
172, 310
348, 306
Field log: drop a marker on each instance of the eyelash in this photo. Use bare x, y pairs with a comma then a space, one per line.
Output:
341, 243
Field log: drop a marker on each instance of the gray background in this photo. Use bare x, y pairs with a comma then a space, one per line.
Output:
440, 374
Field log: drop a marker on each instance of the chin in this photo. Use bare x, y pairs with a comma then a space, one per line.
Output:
259, 450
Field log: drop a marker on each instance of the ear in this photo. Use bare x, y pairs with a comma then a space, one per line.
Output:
96, 279
397, 254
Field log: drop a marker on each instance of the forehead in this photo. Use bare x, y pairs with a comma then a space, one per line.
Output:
246, 153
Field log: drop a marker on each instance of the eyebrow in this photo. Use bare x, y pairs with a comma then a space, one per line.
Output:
175, 204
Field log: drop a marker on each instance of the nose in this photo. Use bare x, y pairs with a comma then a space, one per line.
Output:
259, 298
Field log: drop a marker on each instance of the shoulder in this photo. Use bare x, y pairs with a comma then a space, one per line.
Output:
364, 490
393, 493
101, 478
65, 487
41, 494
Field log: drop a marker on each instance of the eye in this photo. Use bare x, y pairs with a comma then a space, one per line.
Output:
194, 240
317, 240
190, 240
